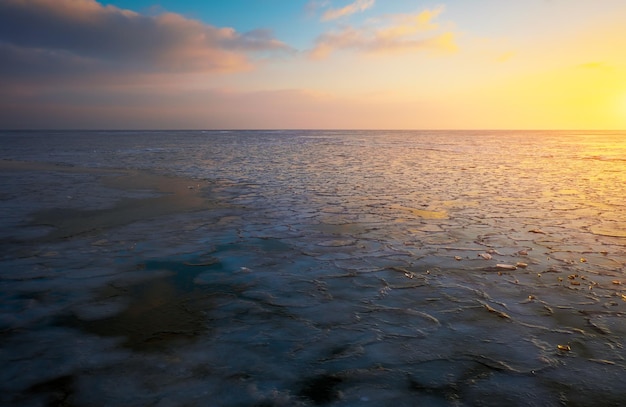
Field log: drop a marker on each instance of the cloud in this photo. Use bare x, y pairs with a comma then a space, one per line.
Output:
313, 6
83, 34
216, 108
397, 33
352, 8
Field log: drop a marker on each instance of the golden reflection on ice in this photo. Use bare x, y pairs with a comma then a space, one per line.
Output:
421, 213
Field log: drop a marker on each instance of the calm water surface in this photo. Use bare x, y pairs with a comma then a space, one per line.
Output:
334, 268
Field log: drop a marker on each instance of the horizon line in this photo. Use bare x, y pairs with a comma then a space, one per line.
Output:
300, 129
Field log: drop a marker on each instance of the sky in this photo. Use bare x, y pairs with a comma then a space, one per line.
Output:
312, 64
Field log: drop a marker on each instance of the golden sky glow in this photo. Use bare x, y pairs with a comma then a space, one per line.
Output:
326, 64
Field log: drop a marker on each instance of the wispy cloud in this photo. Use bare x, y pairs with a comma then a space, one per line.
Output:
86, 34
313, 6
396, 33
352, 8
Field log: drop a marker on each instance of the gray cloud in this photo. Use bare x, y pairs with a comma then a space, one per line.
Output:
77, 35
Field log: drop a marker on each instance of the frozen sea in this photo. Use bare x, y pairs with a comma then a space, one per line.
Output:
301, 268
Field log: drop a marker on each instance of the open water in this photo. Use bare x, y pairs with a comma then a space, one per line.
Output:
342, 268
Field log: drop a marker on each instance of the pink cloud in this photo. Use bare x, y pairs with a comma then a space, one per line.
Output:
77, 63
125, 40
352, 8
213, 108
